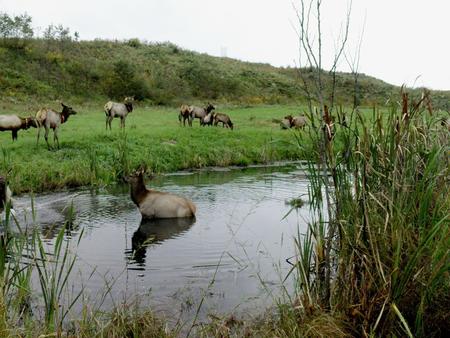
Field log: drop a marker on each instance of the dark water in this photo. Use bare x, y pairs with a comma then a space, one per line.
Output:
232, 254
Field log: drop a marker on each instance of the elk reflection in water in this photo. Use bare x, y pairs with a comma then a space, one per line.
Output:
156, 231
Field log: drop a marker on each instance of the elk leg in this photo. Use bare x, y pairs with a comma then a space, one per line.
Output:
46, 137
39, 134
14, 134
55, 137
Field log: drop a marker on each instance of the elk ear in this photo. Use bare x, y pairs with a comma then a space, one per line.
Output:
62, 104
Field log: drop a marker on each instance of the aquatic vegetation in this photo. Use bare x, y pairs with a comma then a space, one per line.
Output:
376, 253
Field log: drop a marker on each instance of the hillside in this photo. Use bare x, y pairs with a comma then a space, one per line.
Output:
161, 74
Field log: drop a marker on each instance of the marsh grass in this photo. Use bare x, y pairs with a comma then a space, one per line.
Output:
41, 306
376, 253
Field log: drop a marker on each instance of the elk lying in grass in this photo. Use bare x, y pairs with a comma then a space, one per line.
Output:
200, 113
185, 114
224, 119
5, 194
114, 109
48, 118
298, 122
156, 204
15, 123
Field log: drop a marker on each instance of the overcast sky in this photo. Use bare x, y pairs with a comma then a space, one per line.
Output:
404, 41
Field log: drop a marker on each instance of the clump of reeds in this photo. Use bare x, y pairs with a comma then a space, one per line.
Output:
377, 249
40, 308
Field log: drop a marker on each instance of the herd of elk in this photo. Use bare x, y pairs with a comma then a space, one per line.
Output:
206, 115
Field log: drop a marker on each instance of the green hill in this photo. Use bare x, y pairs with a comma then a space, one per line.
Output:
162, 74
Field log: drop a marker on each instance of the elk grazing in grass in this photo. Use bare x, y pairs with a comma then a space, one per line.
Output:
185, 114
48, 118
15, 123
224, 119
114, 109
200, 113
156, 204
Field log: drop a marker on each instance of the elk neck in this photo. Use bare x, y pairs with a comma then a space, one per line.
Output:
138, 190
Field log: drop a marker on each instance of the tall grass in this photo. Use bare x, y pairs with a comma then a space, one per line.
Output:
376, 253
37, 306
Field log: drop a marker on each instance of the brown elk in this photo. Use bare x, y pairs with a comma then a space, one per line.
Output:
15, 123
185, 114
114, 109
298, 122
48, 118
208, 119
156, 204
200, 113
224, 118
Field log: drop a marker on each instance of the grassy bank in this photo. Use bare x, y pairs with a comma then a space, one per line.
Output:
90, 155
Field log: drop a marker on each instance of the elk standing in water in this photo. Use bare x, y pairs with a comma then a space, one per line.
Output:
114, 109
48, 118
185, 114
157, 204
224, 118
16, 123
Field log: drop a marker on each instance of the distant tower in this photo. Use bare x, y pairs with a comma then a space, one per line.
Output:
223, 52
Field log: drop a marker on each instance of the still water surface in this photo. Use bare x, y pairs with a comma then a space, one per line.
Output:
232, 254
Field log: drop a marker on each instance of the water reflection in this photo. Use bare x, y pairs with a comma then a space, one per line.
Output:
240, 232
155, 231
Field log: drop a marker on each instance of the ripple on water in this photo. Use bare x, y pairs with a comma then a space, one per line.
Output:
237, 236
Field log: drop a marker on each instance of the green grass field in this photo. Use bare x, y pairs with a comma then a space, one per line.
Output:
90, 155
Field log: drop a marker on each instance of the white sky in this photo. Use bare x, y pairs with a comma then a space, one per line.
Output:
405, 41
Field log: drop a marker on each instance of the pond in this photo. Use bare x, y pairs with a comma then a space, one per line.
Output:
232, 255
